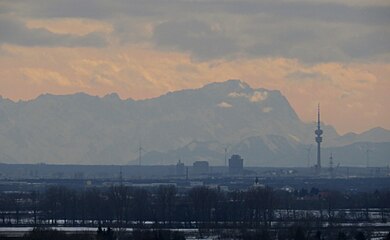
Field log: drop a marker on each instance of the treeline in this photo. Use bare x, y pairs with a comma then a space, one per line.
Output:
293, 233
101, 234
198, 207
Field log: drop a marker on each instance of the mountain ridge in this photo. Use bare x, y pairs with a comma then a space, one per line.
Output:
80, 128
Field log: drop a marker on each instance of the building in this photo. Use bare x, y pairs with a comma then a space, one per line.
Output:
236, 164
200, 167
180, 168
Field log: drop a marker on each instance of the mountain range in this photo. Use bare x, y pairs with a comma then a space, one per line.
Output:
193, 124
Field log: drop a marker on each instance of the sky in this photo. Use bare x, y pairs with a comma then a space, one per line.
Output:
332, 52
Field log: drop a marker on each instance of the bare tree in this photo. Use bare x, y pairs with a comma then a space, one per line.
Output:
166, 198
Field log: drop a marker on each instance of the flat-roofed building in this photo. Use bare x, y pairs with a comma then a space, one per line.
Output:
200, 167
180, 168
236, 164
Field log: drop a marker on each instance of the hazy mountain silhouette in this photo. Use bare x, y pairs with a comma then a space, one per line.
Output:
189, 124
377, 134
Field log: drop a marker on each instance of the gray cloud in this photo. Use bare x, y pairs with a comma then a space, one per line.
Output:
15, 32
304, 41
310, 32
93, 9
368, 45
194, 36
59, 8
320, 31
99, 9
310, 10
301, 75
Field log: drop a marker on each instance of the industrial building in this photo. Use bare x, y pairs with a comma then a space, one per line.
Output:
180, 168
236, 164
200, 167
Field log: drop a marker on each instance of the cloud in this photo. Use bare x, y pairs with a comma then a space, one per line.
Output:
237, 94
312, 32
368, 45
95, 9
224, 105
193, 36
15, 32
267, 109
301, 75
72, 26
258, 96
255, 97
40, 76
328, 10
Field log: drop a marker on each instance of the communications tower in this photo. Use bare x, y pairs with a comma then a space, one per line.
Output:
318, 138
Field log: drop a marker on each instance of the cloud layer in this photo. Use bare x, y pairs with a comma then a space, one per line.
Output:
311, 31
15, 32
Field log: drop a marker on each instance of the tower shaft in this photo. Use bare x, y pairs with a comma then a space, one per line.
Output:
318, 132
319, 155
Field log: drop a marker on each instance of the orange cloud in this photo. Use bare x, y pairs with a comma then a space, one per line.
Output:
38, 76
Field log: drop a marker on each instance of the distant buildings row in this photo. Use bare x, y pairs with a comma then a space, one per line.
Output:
236, 167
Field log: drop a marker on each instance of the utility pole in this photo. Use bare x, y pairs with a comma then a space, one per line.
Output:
120, 176
368, 156
226, 156
331, 165
308, 155
140, 149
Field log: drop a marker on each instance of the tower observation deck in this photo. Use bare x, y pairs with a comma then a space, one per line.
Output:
318, 132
